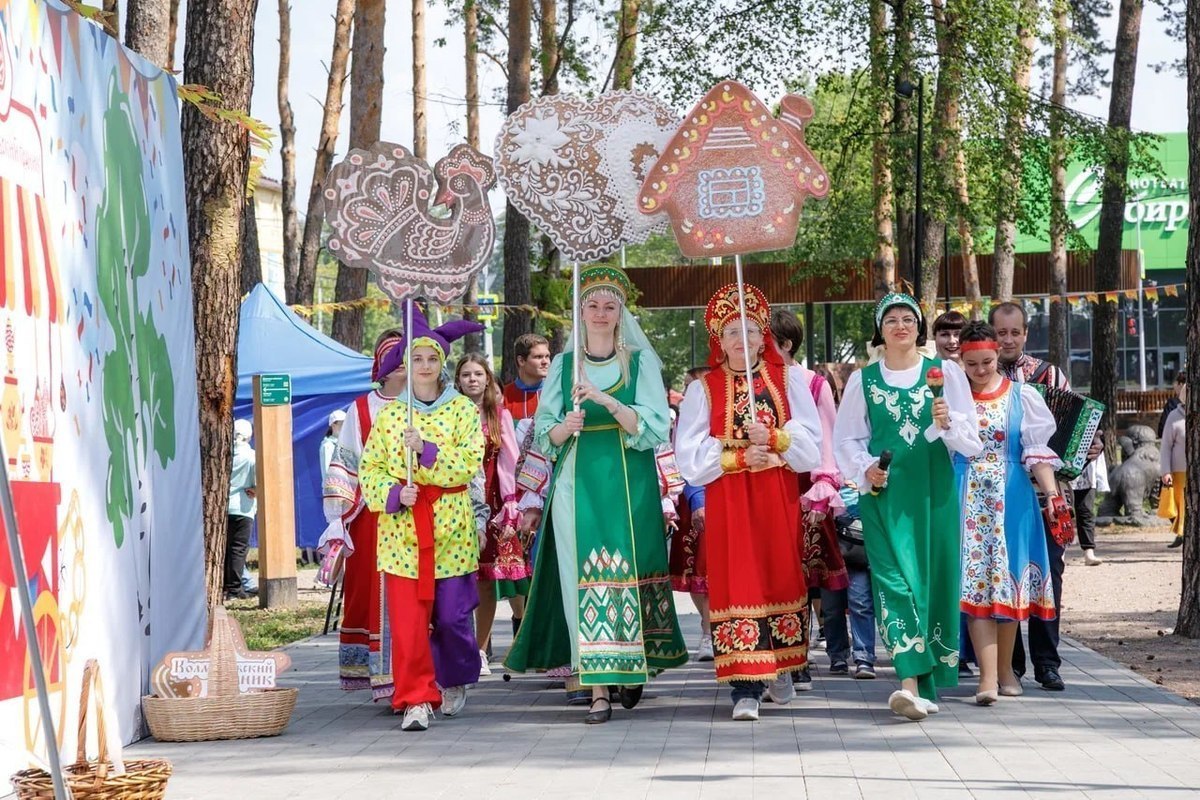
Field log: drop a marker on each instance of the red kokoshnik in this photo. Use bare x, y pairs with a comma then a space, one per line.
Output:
723, 309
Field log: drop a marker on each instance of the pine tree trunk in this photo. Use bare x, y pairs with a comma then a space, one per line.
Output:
931, 265
251, 274
420, 89
366, 117
172, 34
1008, 195
627, 32
551, 259
471, 30
287, 152
218, 54
940, 204
966, 238
516, 227
1112, 216
1188, 622
904, 114
112, 19
147, 29
883, 262
474, 341
949, 159
310, 247
548, 49
1060, 343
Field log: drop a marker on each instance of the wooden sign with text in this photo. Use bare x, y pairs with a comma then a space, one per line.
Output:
185, 674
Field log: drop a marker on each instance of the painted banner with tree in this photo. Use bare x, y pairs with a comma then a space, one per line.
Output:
99, 409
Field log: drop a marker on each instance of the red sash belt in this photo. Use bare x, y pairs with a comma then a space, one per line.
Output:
423, 520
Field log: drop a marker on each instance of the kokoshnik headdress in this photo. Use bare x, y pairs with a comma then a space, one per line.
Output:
722, 309
896, 299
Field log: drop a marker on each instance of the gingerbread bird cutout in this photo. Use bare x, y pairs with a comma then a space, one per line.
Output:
382, 205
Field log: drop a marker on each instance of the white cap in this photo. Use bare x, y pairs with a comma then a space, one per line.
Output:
242, 429
337, 416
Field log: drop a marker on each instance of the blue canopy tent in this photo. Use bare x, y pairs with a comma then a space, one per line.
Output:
325, 376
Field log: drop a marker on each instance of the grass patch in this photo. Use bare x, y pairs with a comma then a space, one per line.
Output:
269, 628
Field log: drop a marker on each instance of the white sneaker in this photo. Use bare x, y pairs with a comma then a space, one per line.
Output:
453, 700
484, 667
746, 710
705, 651
781, 690
929, 706
904, 704
1090, 558
416, 718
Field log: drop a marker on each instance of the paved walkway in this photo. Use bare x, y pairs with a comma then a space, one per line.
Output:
1111, 734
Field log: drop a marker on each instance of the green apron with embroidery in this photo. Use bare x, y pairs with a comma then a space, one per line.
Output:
911, 531
601, 595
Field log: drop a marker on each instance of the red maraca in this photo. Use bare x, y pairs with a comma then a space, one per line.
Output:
934, 379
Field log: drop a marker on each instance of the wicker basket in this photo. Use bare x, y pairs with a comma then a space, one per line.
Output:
203, 719
226, 713
144, 779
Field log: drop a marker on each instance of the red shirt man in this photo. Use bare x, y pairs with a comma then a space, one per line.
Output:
533, 363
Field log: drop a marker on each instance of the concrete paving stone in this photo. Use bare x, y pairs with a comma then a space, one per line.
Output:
1111, 734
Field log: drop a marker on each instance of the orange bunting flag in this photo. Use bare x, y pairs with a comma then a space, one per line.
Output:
1131, 294
1152, 293
1092, 297
1171, 291
1111, 297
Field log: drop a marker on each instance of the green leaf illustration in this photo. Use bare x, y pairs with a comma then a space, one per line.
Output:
138, 405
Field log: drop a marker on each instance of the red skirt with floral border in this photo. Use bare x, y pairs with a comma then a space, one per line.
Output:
757, 591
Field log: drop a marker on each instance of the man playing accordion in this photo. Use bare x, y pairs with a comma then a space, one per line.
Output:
1012, 328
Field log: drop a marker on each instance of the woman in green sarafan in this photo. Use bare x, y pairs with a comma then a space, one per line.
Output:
601, 596
911, 519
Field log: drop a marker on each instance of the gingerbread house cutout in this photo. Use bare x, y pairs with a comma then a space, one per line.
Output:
734, 178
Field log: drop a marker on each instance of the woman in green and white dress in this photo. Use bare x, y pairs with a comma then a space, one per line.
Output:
601, 595
911, 522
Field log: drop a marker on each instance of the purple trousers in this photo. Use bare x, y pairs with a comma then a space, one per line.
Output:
433, 641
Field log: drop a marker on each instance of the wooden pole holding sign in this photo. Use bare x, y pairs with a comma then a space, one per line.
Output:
580, 332
741, 287
274, 492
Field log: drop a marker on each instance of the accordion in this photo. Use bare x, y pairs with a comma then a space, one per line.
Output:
1077, 419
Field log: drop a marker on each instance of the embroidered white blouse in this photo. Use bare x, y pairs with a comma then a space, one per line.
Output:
852, 429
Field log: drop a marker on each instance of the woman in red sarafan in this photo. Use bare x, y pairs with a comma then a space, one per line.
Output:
748, 464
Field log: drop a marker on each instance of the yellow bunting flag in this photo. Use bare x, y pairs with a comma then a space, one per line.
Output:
1171, 291
1092, 297
1152, 293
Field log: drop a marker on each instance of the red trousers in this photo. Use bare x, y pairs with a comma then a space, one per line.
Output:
433, 641
359, 635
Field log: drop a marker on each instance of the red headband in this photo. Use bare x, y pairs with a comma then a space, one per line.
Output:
985, 344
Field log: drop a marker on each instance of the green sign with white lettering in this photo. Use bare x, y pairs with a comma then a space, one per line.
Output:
1156, 209
274, 390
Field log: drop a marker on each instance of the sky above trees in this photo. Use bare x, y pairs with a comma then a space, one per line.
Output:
1158, 101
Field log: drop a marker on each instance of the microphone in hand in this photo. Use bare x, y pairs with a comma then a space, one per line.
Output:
885, 461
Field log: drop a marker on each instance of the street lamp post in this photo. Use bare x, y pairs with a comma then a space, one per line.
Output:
906, 89
1141, 301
